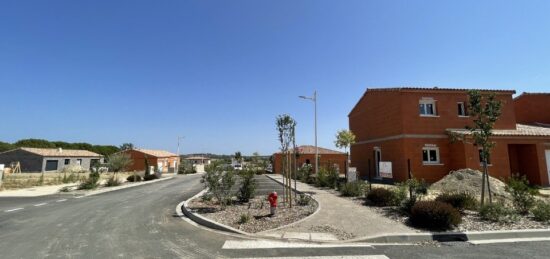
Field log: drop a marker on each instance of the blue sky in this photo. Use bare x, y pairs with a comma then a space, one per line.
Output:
219, 72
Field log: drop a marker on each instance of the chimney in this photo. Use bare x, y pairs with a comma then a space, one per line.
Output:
60, 150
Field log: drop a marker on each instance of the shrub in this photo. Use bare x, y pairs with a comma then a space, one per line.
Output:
65, 189
497, 212
381, 197
206, 197
119, 162
327, 178
434, 215
91, 182
459, 200
186, 167
353, 189
247, 189
150, 177
219, 180
399, 194
113, 181
419, 187
541, 211
303, 199
134, 178
407, 205
522, 194
244, 218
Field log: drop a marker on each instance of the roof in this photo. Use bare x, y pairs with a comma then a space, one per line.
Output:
155, 153
427, 89
197, 158
521, 130
59, 152
524, 94
308, 149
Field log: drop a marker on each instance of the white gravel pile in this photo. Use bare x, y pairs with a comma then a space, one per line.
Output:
469, 180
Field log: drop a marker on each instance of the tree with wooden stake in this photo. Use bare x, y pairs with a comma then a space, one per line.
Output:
344, 139
485, 110
285, 127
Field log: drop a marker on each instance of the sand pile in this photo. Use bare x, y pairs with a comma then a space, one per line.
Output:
468, 180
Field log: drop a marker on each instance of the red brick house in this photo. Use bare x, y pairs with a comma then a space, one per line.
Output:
533, 108
165, 161
398, 124
306, 155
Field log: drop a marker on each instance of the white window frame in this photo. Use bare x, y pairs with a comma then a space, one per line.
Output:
425, 102
463, 109
437, 154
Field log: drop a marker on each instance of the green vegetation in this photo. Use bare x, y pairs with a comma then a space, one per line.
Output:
134, 178
6, 146
65, 189
541, 211
186, 167
244, 218
459, 200
219, 181
247, 189
381, 197
434, 215
353, 189
150, 177
303, 199
497, 212
112, 181
91, 182
327, 177
119, 162
104, 150
523, 197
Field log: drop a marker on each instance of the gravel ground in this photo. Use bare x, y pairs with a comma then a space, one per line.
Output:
257, 208
342, 235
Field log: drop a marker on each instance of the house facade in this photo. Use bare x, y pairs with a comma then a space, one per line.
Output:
49, 159
198, 162
164, 161
398, 125
306, 155
533, 108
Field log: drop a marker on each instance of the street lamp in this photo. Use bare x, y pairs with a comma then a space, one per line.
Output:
178, 153
314, 99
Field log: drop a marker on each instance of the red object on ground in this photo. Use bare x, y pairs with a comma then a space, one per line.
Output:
272, 198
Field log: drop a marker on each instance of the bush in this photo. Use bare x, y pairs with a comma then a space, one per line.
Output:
91, 182
206, 197
134, 178
150, 177
327, 178
541, 211
497, 212
353, 189
522, 194
186, 167
381, 197
247, 189
244, 218
303, 199
459, 200
399, 194
65, 189
407, 205
113, 181
219, 180
119, 162
434, 215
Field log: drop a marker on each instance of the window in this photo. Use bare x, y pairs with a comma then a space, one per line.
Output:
462, 109
94, 162
481, 158
427, 107
51, 165
67, 161
79, 161
430, 155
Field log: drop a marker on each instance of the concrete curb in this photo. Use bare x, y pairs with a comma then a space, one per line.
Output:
111, 189
456, 236
205, 221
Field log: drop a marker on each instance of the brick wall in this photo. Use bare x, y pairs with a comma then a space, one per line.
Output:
531, 108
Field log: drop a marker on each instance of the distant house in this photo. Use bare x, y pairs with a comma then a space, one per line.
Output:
306, 155
165, 161
198, 162
49, 159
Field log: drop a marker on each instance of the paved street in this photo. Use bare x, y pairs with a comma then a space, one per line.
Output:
140, 222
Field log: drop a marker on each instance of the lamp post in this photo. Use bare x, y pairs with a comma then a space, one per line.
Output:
179, 158
314, 99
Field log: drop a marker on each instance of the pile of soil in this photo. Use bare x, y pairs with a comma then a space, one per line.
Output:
469, 180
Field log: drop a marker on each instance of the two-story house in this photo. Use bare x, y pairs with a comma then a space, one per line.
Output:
400, 124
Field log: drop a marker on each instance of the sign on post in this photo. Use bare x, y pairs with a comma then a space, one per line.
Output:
352, 174
385, 170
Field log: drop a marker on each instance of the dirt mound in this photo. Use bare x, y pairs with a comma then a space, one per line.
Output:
468, 180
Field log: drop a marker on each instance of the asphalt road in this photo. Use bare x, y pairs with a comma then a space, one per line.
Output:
140, 222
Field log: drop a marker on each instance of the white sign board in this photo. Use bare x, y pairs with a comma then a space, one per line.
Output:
385, 169
352, 174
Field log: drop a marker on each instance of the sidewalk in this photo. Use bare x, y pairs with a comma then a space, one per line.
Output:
338, 218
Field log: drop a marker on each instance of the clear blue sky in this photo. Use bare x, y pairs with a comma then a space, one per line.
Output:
219, 72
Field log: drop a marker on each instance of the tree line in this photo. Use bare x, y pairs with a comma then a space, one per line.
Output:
104, 150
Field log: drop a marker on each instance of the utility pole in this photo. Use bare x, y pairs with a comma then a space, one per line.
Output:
179, 158
314, 99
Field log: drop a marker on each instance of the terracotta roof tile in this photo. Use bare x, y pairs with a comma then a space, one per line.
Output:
57, 152
521, 130
308, 149
156, 153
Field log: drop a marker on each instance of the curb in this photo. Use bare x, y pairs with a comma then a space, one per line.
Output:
203, 220
111, 189
457, 236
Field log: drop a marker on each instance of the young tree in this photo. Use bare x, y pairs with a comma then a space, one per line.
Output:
286, 126
119, 162
238, 156
485, 111
344, 139
126, 146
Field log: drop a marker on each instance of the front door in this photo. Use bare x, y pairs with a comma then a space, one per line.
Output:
548, 163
